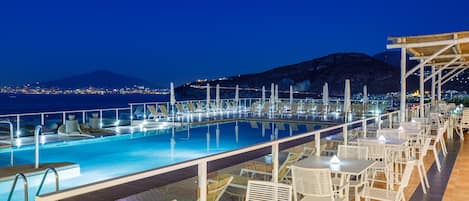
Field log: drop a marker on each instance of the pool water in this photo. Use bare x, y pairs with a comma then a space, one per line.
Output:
125, 154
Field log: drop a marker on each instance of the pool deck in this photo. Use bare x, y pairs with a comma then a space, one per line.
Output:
8, 173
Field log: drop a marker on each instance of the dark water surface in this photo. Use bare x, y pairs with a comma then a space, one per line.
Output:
25, 103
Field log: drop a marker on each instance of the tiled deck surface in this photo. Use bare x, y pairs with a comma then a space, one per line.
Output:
458, 185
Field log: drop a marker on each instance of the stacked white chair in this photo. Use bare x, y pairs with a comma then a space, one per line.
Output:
389, 195
268, 191
316, 184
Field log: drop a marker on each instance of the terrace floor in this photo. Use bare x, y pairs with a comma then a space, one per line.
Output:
450, 184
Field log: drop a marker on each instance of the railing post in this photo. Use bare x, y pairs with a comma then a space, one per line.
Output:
117, 114
18, 129
317, 143
275, 165
345, 134
364, 124
63, 118
42, 119
100, 118
144, 111
202, 174
390, 120
37, 131
83, 117
131, 114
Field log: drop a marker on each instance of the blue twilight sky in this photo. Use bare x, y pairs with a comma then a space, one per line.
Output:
182, 40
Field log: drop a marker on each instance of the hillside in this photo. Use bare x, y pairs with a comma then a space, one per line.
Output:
309, 76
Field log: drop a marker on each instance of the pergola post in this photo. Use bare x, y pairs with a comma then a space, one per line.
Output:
422, 90
403, 84
433, 86
439, 86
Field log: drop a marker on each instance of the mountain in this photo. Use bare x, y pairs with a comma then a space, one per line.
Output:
97, 79
309, 76
393, 58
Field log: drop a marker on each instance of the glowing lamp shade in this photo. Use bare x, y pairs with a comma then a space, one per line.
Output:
381, 138
335, 160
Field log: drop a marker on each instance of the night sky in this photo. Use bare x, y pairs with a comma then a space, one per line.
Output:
179, 41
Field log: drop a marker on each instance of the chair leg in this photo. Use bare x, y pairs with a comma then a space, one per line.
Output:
357, 198
437, 160
443, 146
422, 166
422, 182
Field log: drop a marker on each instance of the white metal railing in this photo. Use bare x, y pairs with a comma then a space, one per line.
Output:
201, 163
42, 117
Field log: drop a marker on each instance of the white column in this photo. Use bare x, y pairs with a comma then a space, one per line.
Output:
433, 86
403, 84
202, 174
439, 86
275, 161
422, 90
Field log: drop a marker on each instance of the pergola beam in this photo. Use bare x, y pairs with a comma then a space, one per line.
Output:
427, 44
428, 59
450, 72
454, 75
442, 68
444, 56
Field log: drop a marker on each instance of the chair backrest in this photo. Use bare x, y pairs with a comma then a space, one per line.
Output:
163, 109
179, 108
216, 189
353, 152
376, 151
409, 167
426, 145
312, 182
284, 169
308, 151
152, 109
465, 116
268, 191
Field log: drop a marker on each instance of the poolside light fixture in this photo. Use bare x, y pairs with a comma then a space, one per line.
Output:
334, 160
18, 142
43, 139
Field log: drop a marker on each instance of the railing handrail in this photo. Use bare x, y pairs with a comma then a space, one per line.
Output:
44, 179
25, 183
63, 111
161, 170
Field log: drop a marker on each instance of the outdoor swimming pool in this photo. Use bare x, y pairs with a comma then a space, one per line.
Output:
110, 157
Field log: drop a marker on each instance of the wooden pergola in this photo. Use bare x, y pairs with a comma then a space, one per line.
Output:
447, 55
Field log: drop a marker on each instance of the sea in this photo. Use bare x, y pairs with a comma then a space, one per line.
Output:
29, 103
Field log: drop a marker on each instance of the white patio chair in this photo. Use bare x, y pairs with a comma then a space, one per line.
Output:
421, 165
463, 124
389, 195
377, 152
434, 143
268, 191
316, 184
357, 153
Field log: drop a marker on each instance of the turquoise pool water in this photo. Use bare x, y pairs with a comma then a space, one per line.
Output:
110, 157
